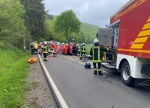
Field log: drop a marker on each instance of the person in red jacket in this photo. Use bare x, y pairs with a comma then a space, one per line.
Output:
55, 48
66, 48
70, 48
62, 48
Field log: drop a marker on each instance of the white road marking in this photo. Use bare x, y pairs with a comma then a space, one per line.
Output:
54, 87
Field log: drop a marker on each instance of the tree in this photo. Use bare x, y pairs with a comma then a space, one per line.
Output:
67, 23
12, 26
50, 16
35, 18
49, 30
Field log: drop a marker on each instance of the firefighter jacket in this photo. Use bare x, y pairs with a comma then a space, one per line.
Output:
45, 49
97, 53
83, 49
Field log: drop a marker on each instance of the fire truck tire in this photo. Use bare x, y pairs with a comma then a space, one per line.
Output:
126, 74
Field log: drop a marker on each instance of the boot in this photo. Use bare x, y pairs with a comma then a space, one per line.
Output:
95, 73
100, 73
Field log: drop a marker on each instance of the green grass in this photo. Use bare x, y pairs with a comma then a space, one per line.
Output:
13, 73
88, 48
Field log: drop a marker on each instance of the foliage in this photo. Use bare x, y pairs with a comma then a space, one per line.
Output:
88, 48
67, 23
13, 73
11, 23
87, 33
50, 33
51, 17
35, 18
49, 30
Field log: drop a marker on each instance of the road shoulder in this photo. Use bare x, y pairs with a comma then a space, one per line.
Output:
40, 95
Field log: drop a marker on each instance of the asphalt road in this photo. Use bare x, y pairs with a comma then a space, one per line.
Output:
80, 89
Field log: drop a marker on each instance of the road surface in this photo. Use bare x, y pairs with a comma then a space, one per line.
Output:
80, 89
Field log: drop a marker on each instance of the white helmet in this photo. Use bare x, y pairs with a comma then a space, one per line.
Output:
83, 44
96, 41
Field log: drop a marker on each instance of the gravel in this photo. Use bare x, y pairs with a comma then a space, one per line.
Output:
40, 95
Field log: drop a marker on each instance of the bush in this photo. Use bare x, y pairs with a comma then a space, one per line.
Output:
13, 73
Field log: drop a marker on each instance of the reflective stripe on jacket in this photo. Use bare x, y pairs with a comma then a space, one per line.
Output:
96, 57
45, 49
83, 49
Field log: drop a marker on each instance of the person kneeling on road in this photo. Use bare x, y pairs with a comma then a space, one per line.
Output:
96, 53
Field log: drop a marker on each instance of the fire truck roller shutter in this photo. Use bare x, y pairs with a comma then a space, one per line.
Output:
126, 74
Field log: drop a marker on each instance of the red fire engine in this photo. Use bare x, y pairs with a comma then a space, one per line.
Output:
129, 37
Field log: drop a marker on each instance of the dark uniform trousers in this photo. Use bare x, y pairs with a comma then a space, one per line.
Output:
79, 52
32, 49
82, 52
45, 53
95, 67
96, 57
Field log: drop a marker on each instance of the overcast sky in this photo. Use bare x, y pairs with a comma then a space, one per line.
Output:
95, 12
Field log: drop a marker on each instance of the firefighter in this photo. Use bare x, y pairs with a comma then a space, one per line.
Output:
62, 48
71, 48
51, 46
74, 50
83, 49
35, 47
55, 48
83, 52
32, 48
66, 49
96, 53
74, 42
80, 51
45, 51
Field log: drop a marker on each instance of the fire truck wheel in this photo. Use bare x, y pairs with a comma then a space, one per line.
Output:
126, 74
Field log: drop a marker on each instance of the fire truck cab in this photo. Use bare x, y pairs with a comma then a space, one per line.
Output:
128, 35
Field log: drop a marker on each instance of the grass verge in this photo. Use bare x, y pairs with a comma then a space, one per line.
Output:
88, 48
13, 73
